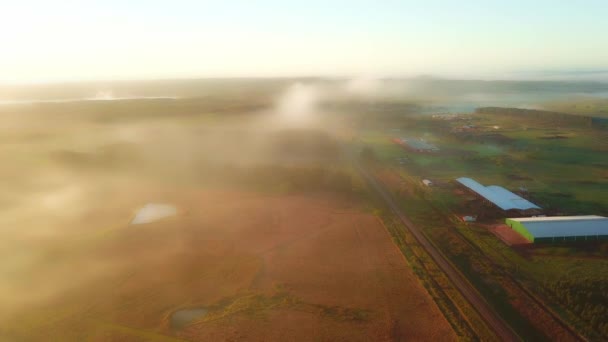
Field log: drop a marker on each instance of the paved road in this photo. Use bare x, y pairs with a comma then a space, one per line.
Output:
495, 322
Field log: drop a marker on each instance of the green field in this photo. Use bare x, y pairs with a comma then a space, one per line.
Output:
564, 175
592, 106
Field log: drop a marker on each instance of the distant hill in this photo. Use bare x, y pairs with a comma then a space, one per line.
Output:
420, 87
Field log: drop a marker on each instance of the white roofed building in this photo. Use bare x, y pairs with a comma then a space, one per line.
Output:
560, 228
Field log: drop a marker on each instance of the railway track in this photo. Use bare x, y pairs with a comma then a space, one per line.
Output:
502, 330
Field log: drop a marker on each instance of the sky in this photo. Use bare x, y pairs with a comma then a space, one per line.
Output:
44, 41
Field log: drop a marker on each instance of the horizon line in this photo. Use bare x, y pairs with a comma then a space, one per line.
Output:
319, 77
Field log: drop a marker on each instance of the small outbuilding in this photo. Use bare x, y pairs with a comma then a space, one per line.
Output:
468, 218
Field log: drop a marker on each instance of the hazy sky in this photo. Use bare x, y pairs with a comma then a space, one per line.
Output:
71, 40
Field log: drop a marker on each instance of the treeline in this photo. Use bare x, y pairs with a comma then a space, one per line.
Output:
281, 178
301, 179
135, 109
555, 117
587, 299
304, 143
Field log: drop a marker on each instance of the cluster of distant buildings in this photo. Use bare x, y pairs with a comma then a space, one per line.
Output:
464, 128
538, 228
416, 145
525, 218
451, 116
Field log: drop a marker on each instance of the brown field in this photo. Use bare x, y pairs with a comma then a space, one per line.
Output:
273, 236
267, 267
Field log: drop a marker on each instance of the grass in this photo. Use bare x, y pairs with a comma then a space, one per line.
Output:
472, 265
593, 106
464, 319
571, 166
250, 304
179, 141
106, 329
563, 175
258, 305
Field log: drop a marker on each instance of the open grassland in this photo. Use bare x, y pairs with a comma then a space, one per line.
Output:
273, 236
266, 267
593, 106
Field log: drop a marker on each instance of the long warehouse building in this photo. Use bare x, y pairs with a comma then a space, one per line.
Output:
560, 228
499, 196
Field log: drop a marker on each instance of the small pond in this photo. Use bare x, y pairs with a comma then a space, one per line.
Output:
183, 317
152, 212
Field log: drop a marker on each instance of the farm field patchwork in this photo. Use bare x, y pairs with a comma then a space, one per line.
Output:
263, 241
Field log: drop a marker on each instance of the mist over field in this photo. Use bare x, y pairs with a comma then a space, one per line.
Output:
75, 173
303, 171
452, 95
244, 169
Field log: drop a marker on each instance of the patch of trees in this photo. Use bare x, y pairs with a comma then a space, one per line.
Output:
297, 178
481, 162
600, 122
305, 143
368, 155
587, 298
555, 117
134, 110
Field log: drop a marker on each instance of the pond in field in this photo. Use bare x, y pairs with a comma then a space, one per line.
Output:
183, 317
152, 212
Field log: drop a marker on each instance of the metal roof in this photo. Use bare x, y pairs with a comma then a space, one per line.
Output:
558, 218
562, 226
501, 197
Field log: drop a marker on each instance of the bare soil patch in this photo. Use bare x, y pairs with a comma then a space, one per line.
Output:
509, 236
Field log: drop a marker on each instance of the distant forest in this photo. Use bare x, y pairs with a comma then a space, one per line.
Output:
556, 117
